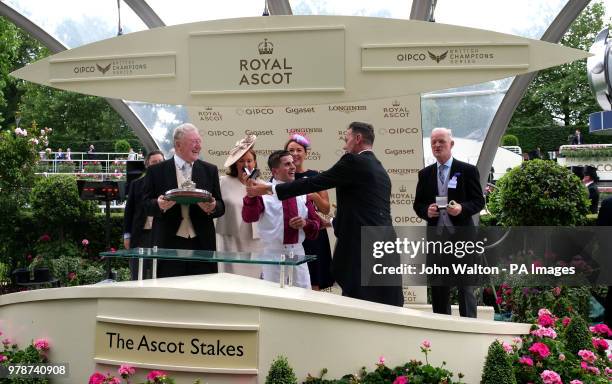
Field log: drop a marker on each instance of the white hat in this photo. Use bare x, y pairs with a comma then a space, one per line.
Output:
240, 149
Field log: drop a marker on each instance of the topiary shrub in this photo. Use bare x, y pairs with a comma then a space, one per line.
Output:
55, 201
281, 372
122, 146
498, 367
577, 335
539, 192
510, 140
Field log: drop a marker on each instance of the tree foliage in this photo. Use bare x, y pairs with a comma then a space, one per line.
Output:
16, 50
77, 120
562, 94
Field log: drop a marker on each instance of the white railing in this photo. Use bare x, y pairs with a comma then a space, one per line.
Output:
97, 166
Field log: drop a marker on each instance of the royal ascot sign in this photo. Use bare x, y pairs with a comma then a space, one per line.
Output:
292, 60
259, 61
198, 349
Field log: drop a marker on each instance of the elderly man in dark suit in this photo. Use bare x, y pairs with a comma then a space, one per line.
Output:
458, 182
184, 226
136, 224
363, 191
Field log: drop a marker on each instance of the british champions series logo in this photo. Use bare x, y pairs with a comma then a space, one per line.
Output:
265, 71
103, 69
437, 58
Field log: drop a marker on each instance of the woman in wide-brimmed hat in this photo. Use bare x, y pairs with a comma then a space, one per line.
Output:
233, 234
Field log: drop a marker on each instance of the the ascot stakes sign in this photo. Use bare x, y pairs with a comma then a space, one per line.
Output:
203, 348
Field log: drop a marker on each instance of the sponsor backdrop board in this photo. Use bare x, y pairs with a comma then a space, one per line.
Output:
398, 143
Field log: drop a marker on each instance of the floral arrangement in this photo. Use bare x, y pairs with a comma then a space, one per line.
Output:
545, 355
412, 372
125, 374
35, 353
586, 151
92, 167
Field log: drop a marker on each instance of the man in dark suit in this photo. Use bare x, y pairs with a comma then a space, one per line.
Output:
577, 138
459, 182
590, 181
136, 224
363, 191
183, 226
604, 218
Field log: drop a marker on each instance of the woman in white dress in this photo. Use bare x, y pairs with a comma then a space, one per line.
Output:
233, 234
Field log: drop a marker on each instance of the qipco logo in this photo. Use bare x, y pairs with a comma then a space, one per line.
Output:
219, 133
398, 131
254, 111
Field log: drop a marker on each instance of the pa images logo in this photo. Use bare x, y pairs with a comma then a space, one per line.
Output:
437, 58
103, 69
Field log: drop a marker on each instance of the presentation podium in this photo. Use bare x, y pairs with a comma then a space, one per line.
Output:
287, 262
226, 328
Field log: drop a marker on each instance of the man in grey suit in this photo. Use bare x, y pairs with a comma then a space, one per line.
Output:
363, 191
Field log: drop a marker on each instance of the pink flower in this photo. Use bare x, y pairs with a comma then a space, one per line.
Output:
540, 350
516, 340
41, 344
401, 380
544, 311
526, 360
71, 276
113, 380
3, 357
587, 356
29, 257
556, 291
550, 377
381, 360
426, 344
561, 357
566, 320
575, 382
599, 344
499, 300
85, 242
44, 238
97, 378
7, 341
155, 374
507, 347
113, 250
608, 371
546, 320
602, 329
542, 332
126, 370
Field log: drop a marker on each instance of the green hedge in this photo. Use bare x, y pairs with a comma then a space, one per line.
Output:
551, 138
30, 229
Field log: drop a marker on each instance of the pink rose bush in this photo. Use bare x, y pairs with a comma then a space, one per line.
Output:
126, 372
544, 356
